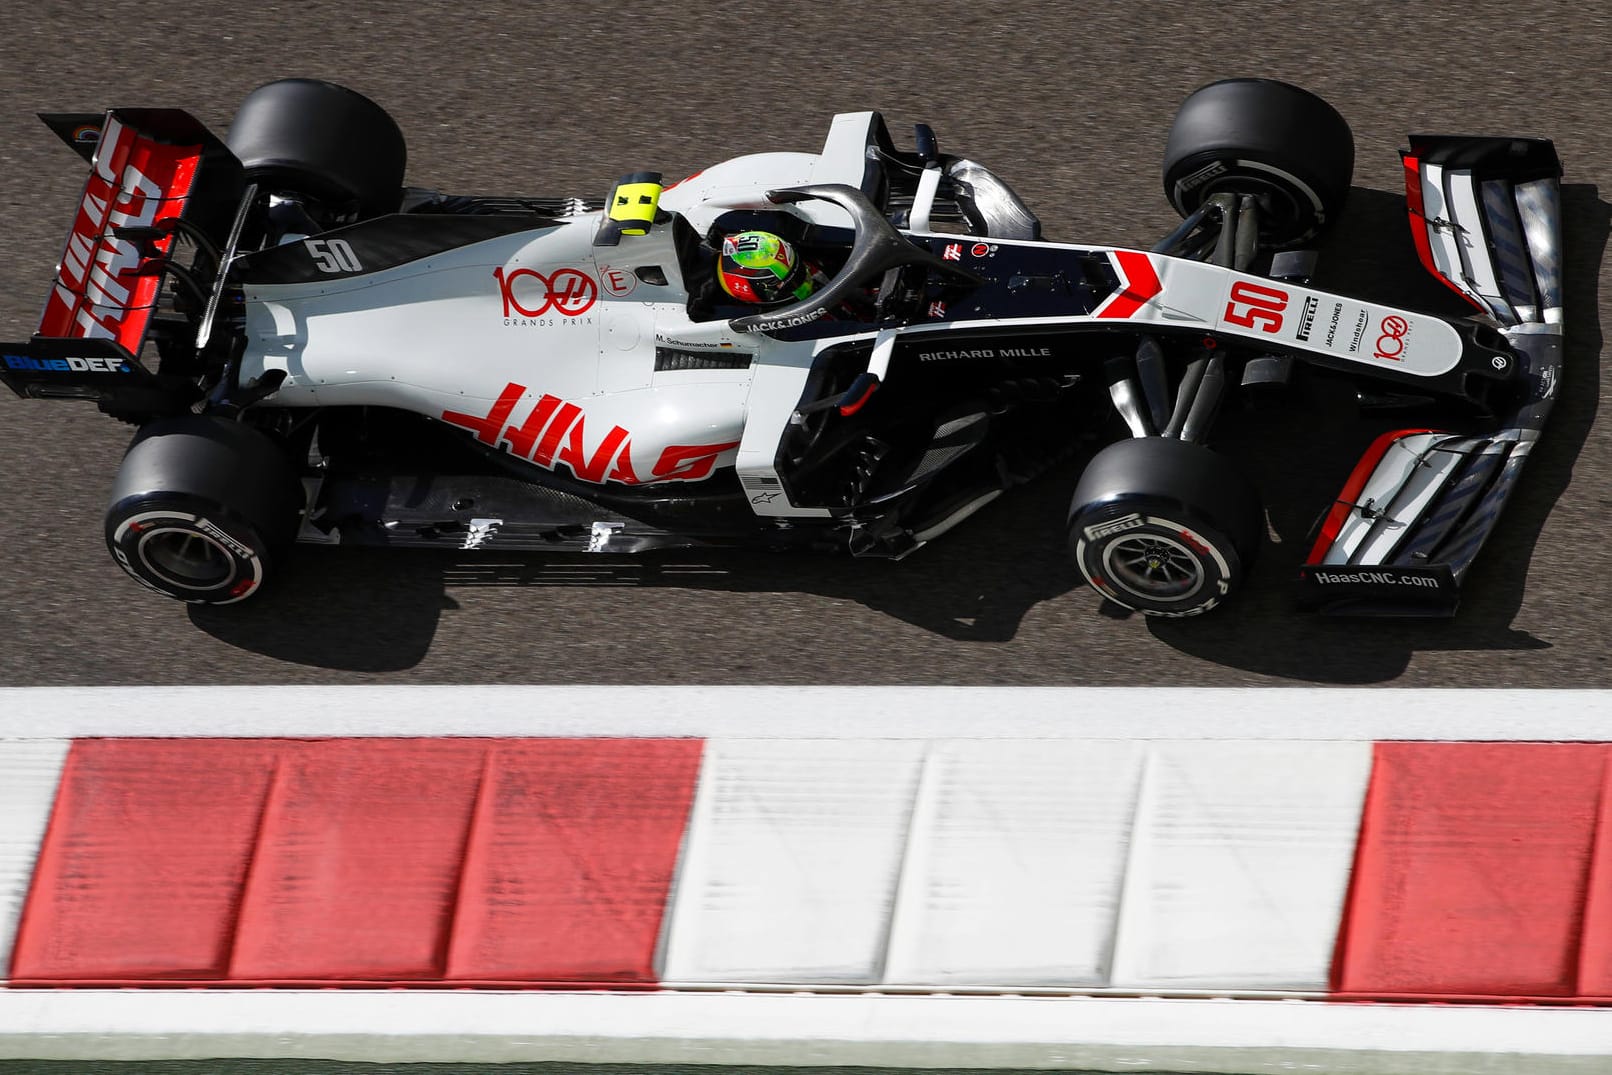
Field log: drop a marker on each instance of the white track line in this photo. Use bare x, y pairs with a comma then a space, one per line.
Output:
760, 1030
810, 712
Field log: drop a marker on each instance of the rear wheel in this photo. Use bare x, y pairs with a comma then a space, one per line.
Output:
1285, 146
1164, 527
202, 508
322, 141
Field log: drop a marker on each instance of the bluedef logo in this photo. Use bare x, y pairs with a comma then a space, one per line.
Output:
29, 364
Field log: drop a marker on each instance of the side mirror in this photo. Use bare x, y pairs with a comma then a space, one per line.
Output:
928, 146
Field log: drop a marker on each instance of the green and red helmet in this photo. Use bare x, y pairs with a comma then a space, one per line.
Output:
758, 266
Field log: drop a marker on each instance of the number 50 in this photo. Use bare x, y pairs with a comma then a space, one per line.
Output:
1264, 306
333, 255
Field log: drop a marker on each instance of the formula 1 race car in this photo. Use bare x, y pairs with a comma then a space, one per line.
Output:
312, 351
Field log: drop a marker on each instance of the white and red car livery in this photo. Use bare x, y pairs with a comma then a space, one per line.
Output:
553, 373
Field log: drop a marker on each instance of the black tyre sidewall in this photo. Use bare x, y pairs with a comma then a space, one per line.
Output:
224, 483
1097, 534
304, 136
136, 526
1176, 491
1261, 136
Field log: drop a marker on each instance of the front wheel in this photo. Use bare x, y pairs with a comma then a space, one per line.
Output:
1164, 527
201, 509
1284, 146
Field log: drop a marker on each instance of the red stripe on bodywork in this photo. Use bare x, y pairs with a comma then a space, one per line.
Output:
848, 409
1414, 205
1138, 283
510, 863
98, 290
1473, 874
1333, 524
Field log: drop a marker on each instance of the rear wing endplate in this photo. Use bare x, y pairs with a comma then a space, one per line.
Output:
153, 173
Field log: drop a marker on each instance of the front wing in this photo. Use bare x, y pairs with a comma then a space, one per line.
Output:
1485, 217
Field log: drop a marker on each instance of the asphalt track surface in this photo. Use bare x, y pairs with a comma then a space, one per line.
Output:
1069, 103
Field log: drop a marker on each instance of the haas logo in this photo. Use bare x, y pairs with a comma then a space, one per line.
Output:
1391, 338
554, 433
529, 293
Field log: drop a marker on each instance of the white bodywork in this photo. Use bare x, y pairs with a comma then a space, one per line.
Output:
543, 343
570, 332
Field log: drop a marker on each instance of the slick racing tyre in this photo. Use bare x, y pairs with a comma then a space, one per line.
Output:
1283, 145
303, 136
1164, 527
201, 509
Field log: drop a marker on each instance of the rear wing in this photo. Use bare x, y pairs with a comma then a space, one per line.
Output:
159, 183
1486, 220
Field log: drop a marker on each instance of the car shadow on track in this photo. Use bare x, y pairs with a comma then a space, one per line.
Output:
357, 610
1371, 256
377, 610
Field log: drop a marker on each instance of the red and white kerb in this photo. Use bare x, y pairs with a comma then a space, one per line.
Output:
1353, 870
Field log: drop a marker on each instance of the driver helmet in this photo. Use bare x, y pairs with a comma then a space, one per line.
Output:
758, 266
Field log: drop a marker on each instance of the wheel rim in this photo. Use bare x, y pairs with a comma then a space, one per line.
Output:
1292, 208
187, 559
1154, 566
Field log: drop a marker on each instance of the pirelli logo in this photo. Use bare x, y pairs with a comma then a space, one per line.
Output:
1113, 526
1307, 318
207, 526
